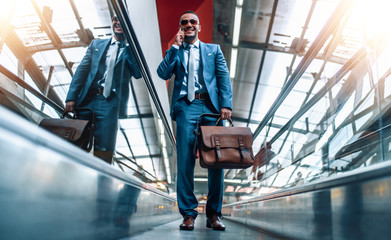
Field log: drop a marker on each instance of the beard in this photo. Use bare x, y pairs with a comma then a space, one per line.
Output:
120, 36
190, 38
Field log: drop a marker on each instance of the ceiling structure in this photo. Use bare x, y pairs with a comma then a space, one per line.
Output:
299, 71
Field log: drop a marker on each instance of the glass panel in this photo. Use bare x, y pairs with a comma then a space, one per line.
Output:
142, 143
348, 125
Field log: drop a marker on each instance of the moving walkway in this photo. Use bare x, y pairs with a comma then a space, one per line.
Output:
49, 189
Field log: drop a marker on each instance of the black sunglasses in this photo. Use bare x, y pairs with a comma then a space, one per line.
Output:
192, 21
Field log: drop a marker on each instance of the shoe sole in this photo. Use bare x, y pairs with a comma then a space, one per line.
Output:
218, 229
186, 228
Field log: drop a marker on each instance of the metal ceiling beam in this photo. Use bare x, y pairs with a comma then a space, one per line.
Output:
52, 36
328, 53
332, 45
289, 50
300, 41
345, 69
83, 32
50, 46
258, 79
274, 125
355, 64
19, 50
47, 87
345, 93
329, 27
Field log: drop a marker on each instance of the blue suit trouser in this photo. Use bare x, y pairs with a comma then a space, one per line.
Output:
106, 122
186, 116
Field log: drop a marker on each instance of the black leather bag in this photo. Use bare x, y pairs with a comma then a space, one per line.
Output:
77, 131
224, 147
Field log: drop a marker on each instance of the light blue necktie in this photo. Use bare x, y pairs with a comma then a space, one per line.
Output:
190, 79
110, 71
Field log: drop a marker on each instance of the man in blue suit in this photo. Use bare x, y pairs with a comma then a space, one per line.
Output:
101, 83
201, 85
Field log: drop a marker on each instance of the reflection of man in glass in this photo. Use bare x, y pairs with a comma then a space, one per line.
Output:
299, 179
101, 83
202, 85
126, 205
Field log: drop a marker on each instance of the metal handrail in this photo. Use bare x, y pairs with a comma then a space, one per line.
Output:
122, 15
369, 173
29, 88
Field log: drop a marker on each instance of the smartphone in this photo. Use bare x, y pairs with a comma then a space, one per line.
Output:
180, 29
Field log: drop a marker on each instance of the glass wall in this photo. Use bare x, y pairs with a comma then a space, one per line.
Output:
336, 118
43, 44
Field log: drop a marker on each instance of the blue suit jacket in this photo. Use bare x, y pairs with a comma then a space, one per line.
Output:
87, 70
214, 70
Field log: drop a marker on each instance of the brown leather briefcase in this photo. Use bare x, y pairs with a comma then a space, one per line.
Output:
224, 147
77, 131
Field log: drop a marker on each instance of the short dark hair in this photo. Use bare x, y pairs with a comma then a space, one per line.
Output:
189, 11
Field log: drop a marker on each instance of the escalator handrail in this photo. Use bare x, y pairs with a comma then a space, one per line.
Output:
369, 173
29, 88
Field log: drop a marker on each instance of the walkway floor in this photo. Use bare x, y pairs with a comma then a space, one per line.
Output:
170, 231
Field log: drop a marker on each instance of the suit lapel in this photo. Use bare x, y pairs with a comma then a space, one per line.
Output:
100, 46
182, 58
105, 45
203, 57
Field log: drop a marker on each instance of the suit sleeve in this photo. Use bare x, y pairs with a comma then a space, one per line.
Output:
133, 65
223, 80
80, 76
167, 66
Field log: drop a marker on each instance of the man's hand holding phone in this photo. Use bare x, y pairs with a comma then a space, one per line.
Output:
179, 37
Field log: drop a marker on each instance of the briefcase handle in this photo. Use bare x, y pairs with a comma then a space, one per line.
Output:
214, 115
196, 132
91, 121
66, 114
229, 120
79, 109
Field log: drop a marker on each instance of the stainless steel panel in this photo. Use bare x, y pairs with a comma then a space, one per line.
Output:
50, 189
351, 206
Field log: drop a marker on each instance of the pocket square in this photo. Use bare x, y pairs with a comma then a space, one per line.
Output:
96, 49
209, 54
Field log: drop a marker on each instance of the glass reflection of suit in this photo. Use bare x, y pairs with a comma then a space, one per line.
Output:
86, 89
126, 205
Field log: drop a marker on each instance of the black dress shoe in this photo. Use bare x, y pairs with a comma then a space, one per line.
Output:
188, 223
215, 223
